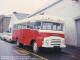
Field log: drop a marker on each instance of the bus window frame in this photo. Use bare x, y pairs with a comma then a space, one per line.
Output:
30, 25
54, 23
33, 25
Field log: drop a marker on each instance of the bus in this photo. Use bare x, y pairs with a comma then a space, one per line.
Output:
40, 32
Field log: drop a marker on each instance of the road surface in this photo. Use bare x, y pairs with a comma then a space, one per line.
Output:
9, 51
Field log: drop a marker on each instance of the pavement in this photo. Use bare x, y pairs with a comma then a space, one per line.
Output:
9, 51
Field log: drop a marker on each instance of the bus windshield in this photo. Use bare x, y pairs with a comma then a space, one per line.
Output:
52, 26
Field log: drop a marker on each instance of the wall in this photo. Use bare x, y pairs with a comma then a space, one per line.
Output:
4, 23
69, 10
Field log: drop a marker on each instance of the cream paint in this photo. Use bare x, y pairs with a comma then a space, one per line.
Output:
51, 31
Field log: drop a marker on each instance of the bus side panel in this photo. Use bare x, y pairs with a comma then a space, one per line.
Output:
27, 36
17, 34
61, 35
20, 36
14, 35
30, 35
38, 38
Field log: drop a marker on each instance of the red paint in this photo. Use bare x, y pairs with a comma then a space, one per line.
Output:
25, 36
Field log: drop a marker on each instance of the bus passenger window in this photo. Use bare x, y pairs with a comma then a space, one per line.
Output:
44, 27
54, 27
37, 25
20, 26
58, 27
27, 26
17, 26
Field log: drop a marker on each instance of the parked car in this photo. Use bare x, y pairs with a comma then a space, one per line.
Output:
6, 36
0, 35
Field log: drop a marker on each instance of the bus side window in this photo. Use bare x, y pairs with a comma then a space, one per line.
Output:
37, 25
28, 24
20, 26
25, 25
54, 27
16, 26
32, 25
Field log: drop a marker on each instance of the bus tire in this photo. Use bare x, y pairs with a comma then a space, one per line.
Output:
18, 44
35, 47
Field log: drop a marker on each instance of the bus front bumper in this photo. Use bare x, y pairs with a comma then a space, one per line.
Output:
52, 46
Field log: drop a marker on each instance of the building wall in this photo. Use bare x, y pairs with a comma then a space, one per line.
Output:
4, 23
16, 17
0, 23
77, 22
69, 10
0, 26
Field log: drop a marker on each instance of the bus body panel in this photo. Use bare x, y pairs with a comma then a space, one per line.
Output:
25, 36
40, 30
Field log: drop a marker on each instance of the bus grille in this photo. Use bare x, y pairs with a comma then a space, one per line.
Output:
55, 42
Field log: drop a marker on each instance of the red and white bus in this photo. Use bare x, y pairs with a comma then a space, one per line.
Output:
39, 32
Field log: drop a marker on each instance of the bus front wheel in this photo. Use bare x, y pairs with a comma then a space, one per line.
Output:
35, 47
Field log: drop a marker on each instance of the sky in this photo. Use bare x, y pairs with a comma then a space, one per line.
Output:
22, 6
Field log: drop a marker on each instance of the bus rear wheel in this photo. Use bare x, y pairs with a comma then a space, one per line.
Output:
35, 47
18, 44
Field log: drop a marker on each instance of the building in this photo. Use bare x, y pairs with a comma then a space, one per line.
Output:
7, 21
4, 23
20, 16
69, 10
15, 17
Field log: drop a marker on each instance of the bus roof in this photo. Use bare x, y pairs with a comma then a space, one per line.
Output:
41, 18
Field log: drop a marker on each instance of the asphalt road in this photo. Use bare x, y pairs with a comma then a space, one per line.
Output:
9, 51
